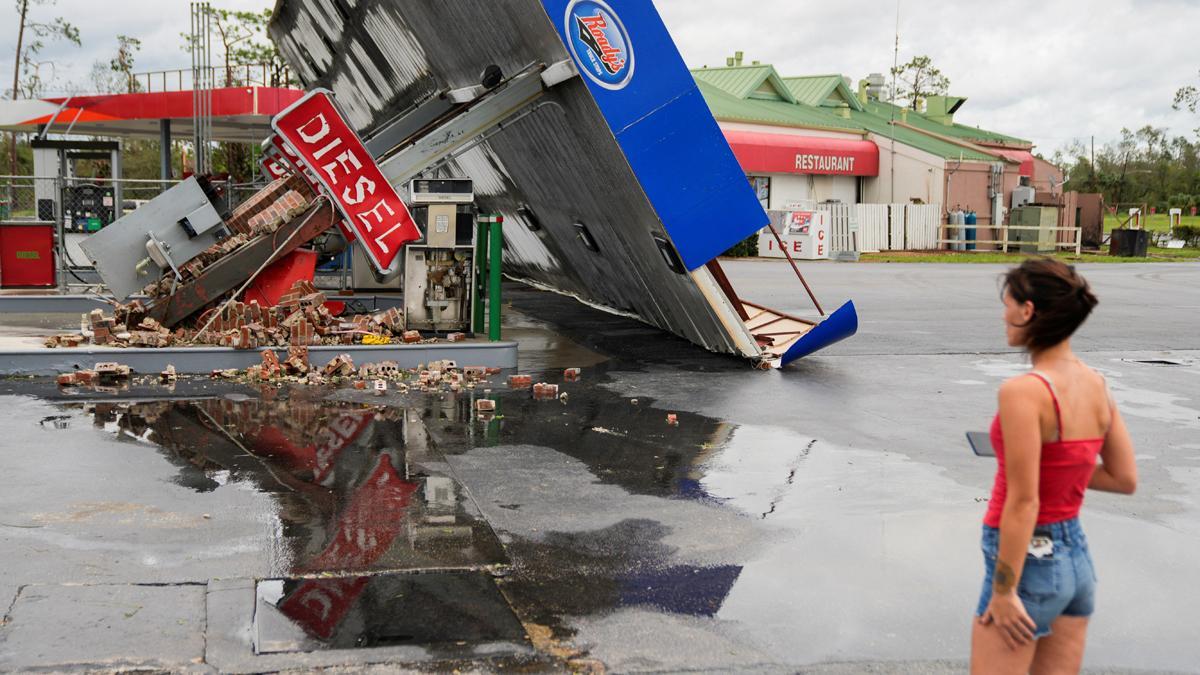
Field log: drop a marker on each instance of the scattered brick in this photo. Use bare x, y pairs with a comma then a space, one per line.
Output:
341, 366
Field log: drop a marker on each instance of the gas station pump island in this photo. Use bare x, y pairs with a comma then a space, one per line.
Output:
549, 130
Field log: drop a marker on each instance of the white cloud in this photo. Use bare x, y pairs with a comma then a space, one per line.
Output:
1047, 71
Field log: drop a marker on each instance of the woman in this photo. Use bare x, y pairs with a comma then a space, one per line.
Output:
1039, 586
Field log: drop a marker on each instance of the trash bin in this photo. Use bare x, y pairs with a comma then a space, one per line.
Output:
972, 231
1129, 243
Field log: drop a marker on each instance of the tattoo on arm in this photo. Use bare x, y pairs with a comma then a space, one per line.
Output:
1004, 579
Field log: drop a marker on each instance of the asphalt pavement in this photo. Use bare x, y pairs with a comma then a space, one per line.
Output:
820, 518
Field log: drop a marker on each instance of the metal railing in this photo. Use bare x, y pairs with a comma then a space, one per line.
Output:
1005, 242
230, 75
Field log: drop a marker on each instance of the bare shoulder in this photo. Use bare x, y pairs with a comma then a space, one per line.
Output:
1022, 388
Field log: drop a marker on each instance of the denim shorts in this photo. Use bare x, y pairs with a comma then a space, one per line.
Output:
1062, 583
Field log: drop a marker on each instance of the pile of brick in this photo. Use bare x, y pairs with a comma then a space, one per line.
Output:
437, 376
300, 319
284, 199
103, 374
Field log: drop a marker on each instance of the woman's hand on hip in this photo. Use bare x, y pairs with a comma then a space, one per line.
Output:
1007, 613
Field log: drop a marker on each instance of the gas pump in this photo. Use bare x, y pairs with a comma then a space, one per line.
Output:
439, 268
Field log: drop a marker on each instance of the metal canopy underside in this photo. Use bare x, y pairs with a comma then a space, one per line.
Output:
627, 170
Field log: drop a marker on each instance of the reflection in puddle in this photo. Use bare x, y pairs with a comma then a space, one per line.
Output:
384, 610
355, 486
361, 488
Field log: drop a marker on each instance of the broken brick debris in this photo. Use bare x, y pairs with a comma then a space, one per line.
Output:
300, 319
572, 374
543, 391
520, 381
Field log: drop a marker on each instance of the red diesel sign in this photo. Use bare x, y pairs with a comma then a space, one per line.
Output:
272, 167
314, 129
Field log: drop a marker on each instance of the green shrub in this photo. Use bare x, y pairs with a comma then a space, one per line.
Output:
746, 248
1190, 234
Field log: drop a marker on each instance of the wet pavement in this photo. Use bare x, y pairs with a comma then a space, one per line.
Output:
822, 518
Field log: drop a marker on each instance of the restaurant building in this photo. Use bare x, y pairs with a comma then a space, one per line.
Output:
806, 140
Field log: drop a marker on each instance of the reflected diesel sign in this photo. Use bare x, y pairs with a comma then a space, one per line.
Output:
314, 129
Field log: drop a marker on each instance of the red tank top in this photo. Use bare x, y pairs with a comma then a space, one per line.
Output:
1066, 469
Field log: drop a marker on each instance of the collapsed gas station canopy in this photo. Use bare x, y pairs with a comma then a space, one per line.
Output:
240, 114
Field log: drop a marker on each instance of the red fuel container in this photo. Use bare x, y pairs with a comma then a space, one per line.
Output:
26, 254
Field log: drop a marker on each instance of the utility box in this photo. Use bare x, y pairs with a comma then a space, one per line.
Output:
1129, 243
439, 269
1039, 240
27, 254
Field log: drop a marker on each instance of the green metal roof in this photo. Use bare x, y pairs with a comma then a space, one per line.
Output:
728, 108
819, 90
747, 94
921, 141
883, 109
758, 82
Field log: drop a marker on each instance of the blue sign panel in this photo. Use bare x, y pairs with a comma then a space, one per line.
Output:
664, 127
836, 327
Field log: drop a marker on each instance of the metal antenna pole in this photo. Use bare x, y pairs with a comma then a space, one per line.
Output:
202, 86
795, 267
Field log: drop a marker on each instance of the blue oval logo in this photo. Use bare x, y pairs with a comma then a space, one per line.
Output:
599, 42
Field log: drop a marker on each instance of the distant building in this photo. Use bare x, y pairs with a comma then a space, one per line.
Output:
813, 139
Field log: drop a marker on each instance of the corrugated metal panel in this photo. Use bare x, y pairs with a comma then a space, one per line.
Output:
812, 90
882, 110
726, 107
737, 81
919, 140
559, 159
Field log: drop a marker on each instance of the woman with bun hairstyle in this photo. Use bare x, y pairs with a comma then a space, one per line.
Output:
1053, 423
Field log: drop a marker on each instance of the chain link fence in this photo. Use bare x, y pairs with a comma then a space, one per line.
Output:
79, 207
89, 204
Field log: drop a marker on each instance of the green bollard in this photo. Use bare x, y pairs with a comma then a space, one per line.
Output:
495, 260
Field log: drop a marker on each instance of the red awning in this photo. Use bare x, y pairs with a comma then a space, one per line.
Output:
760, 152
1023, 156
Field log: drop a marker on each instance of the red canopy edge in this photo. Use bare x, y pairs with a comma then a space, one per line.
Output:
761, 152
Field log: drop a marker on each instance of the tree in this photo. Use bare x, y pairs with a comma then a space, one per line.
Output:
919, 79
26, 63
117, 74
1187, 97
247, 54
244, 43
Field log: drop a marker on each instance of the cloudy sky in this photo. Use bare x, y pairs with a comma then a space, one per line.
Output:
1048, 71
